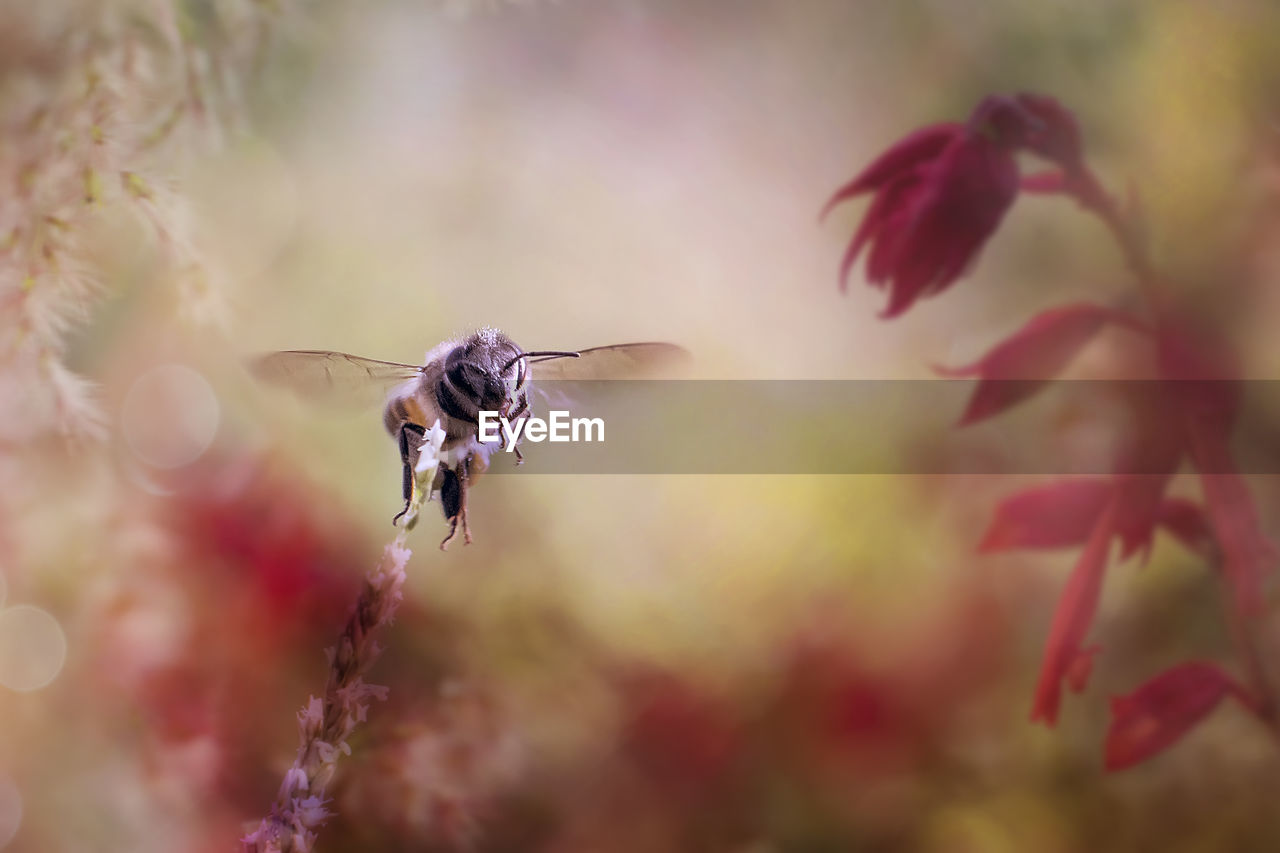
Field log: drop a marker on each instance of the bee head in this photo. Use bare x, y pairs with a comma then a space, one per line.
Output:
483, 368
484, 371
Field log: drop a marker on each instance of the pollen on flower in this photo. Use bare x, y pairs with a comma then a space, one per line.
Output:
429, 450
397, 557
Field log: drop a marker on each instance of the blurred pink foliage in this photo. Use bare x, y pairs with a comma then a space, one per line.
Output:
98, 100
286, 562
933, 210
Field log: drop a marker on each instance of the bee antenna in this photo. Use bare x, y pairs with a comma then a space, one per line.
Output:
558, 353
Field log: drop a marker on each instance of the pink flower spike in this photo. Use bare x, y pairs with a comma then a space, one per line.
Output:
1071, 622
1054, 515
1018, 366
1159, 712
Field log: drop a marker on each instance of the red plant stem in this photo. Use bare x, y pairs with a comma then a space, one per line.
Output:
1246, 642
1091, 194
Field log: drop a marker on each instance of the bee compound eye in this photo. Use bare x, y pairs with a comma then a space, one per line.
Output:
466, 379
495, 389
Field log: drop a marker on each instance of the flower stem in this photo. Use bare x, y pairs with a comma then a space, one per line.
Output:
1093, 196
326, 723
1243, 625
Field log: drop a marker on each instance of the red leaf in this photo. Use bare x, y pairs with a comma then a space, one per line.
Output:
1055, 515
1138, 499
879, 222
1018, 366
1159, 712
1061, 514
1247, 553
1071, 622
1187, 523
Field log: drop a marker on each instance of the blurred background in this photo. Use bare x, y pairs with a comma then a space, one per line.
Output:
638, 663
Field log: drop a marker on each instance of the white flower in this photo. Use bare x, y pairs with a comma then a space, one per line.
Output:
429, 451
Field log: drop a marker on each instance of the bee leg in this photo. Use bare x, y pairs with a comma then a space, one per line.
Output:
450, 503
453, 531
406, 457
520, 411
465, 479
453, 500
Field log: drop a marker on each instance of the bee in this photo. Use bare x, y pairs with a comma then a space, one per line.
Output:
458, 379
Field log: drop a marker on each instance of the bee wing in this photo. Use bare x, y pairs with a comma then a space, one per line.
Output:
323, 375
617, 361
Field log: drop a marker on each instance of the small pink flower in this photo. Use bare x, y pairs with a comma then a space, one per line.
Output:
939, 195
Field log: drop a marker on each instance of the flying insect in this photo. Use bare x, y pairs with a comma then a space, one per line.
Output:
458, 379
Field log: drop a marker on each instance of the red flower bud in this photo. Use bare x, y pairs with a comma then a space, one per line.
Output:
939, 193
1056, 135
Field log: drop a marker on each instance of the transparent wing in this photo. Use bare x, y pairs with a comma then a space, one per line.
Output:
618, 361
335, 377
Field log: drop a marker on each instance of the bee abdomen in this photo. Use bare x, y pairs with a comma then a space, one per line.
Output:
401, 410
394, 415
